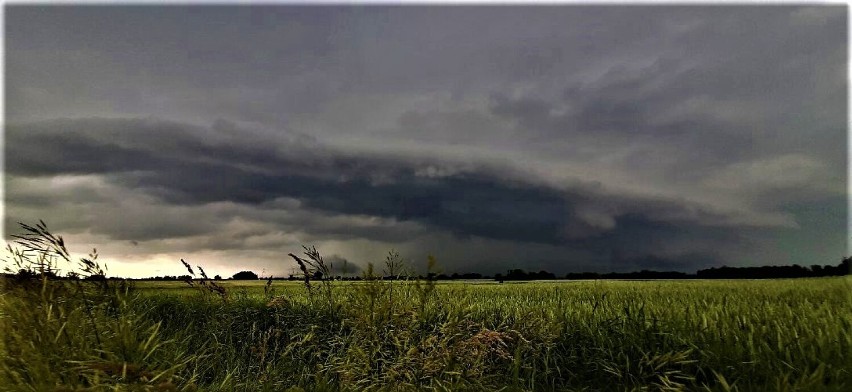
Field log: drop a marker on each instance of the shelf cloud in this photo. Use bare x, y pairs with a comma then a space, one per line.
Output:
563, 138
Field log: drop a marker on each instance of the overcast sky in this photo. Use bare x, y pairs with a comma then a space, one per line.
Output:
565, 138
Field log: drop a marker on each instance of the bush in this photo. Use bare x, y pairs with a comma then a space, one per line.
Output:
245, 275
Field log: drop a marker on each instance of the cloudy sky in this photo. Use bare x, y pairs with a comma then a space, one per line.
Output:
565, 138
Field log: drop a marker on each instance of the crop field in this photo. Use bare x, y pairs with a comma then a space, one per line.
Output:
423, 335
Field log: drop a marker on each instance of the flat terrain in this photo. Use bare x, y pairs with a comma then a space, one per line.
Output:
565, 335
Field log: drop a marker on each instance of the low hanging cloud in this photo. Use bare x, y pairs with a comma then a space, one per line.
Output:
342, 266
559, 138
152, 179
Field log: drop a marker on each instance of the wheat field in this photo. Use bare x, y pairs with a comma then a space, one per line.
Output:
81, 331
423, 335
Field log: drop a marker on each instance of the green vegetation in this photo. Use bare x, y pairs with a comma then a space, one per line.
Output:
412, 335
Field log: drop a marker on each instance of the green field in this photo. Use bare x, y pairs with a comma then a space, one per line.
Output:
383, 335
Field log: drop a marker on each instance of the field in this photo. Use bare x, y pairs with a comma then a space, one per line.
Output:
404, 335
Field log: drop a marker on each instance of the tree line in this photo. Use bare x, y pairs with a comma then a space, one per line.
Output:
724, 272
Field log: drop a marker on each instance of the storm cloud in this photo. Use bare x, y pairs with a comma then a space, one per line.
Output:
565, 138
180, 167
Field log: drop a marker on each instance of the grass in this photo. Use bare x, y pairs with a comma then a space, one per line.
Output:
781, 335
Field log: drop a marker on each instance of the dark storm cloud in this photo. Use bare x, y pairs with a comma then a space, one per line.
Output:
710, 111
182, 168
342, 265
268, 64
572, 135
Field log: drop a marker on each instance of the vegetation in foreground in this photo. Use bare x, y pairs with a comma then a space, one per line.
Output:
416, 335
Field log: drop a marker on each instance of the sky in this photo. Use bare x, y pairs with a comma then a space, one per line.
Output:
562, 138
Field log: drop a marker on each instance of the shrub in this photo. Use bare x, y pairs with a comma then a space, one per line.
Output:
245, 275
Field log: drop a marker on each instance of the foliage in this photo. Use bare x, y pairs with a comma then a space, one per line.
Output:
245, 275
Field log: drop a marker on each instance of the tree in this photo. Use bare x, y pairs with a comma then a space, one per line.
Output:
217, 277
245, 275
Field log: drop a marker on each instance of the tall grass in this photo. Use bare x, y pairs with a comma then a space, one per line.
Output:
80, 332
379, 334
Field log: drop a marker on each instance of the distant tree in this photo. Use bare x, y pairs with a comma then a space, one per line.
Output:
245, 275
217, 277
516, 274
